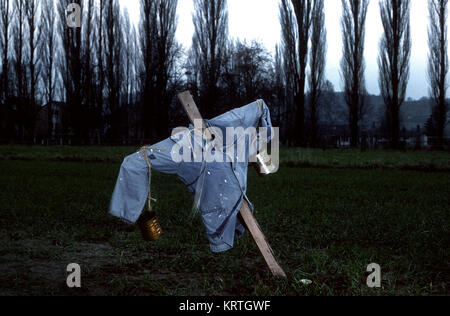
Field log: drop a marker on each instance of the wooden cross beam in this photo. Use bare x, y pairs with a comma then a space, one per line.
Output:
246, 214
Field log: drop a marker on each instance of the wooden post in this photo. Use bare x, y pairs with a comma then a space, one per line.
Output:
192, 111
249, 219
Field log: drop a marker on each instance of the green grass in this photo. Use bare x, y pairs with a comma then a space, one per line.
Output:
375, 159
65, 153
289, 157
324, 224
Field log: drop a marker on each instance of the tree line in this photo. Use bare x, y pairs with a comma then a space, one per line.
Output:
302, 24
114, 81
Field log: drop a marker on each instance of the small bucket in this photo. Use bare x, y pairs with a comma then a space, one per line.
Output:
150, 227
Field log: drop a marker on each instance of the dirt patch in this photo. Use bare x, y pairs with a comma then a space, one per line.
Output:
38, 267
42, 262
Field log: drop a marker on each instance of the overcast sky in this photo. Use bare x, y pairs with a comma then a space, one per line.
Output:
258, 19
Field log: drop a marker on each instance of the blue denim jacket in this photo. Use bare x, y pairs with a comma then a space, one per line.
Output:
219, 187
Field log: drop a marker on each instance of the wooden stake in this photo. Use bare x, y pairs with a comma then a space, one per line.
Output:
260, 240
249, 219
192, 111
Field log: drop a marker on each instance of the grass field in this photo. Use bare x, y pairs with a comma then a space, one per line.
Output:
326, 223
289, 157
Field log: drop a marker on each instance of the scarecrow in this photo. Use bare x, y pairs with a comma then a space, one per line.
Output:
219, 186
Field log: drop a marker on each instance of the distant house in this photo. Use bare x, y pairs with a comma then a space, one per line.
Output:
334, 135
415, 113
419, 141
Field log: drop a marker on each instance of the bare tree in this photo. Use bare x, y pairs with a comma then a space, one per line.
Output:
33, 42
34, 61
5, 21
100, 64
283, 92
395, 52
49, 49
23, 102
71, 72
88, 54
167, 53
353, 22
280, 90
128, 56
133, 82
328, 106
250, 67
137, 65
303, 12
438, 64
147, 28
159, 51
209, 44
19, 47
289, 36
113, 73
317, 65
128, 82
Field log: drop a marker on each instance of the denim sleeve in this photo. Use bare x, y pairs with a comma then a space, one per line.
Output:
131, 190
